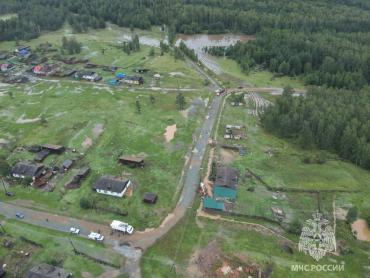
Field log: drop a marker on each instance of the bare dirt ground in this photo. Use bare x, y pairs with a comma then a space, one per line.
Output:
170, 132
87, 143
206, 182
98, 130
203, 260
360, 226
227, 156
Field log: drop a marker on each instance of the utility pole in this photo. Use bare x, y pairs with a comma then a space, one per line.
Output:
74, 248
5, 190
2, 228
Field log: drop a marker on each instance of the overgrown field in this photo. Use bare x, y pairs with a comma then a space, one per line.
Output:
101, 123
203, 246
286, 176
233, 76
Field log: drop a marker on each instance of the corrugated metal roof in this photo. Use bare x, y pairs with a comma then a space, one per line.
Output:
224, 192
209, 203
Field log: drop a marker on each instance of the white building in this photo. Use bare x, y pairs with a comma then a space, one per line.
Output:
112, 186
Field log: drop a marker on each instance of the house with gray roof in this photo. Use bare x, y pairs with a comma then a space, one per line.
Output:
27, 170
48, 271
112, 186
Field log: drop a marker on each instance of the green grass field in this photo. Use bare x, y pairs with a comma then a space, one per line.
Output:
281, 166
65, 111
55, 248
280, 163
70, 112
238, 245
103, 47
233, 76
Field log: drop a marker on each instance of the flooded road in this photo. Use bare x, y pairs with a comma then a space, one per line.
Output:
198, 42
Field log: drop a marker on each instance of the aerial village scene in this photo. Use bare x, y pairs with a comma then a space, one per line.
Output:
131, 152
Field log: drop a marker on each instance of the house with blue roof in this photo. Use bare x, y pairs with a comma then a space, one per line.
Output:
223, 194
212, 204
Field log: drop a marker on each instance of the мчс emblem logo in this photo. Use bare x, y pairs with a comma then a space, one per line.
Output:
317, 237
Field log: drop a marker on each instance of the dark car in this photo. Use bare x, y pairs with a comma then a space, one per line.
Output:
19, 215
10, 194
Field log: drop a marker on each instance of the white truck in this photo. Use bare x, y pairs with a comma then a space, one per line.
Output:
122, 227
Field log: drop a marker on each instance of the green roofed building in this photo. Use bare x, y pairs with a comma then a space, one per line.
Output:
211, 204
221, 193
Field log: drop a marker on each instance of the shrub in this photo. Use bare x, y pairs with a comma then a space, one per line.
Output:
85, 203
352, 215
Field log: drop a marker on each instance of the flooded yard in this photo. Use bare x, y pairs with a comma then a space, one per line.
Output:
198, 42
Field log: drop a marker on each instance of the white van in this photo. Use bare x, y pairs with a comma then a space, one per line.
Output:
122, 227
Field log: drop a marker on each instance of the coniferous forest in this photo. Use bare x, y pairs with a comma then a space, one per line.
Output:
334, 120
325, 42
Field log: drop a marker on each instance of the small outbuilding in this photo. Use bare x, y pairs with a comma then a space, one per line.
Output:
67, 164
41, 155
150, 198
132, 161
48, 271
135, 80
57, 149
83, 172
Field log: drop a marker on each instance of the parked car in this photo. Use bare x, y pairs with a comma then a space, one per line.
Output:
96, 236
74, 230
9, 194
19, 215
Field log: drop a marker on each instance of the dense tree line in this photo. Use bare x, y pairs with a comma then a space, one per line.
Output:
192, 16
326, 41
72, 46
334, 120
340, 60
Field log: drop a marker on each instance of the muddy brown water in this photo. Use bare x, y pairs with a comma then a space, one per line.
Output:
362, 229
198, 42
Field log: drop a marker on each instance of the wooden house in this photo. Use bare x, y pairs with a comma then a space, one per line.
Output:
132, 161
48, 271
112, 186
57, 149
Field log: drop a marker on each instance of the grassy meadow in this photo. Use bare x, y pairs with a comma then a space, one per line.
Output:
72, 114
236, 244
233, 76
53, 248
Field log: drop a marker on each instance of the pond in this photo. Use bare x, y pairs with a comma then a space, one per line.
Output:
198, 42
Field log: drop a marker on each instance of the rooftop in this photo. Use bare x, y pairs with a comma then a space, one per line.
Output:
47, 271
224, 192
209, 203
227, 177
111, 184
